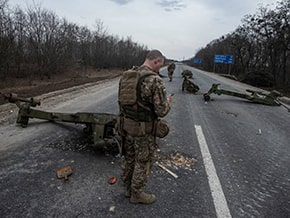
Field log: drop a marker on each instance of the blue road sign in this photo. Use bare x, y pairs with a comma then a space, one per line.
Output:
226, 59
196, 60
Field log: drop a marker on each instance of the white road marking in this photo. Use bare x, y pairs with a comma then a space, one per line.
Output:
220, 203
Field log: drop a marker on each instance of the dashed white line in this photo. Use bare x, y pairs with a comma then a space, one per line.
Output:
220, 203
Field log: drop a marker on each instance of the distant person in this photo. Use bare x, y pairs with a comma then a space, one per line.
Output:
142, 101
187, 73
170, 69
189, 86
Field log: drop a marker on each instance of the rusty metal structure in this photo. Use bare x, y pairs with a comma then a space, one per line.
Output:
99, 127
255, 96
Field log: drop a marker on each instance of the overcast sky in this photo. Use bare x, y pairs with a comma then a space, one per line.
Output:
179, 28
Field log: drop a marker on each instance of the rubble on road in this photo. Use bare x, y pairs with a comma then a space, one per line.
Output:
175, 160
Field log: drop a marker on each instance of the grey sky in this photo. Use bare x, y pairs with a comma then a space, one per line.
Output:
179, 28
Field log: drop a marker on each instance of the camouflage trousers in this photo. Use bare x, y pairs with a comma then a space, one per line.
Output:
138, 154
189, 86
170, 75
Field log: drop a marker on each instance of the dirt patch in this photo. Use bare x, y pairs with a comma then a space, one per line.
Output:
47, 90
30, 88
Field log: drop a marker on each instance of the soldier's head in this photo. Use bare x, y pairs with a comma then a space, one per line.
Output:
154, 60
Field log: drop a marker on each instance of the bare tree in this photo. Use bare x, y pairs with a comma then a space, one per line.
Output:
37, 43
260, 44
6, 39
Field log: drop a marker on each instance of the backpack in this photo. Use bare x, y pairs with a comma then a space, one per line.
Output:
131, 104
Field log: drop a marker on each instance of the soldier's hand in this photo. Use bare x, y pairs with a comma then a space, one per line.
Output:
169, 98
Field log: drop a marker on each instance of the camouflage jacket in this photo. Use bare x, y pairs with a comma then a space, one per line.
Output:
152, 92
171, 68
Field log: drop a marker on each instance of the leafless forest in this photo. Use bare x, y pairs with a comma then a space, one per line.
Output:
36, 43
260, 47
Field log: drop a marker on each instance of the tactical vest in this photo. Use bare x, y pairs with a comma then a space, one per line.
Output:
131, 104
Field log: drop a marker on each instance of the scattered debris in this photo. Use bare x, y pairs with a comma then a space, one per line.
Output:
259, 132
112, 180
176, 159
112, 208
167, 170
64, 173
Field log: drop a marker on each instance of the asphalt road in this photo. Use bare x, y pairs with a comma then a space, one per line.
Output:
234, 159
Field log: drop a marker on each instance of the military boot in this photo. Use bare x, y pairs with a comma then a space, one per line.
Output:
142, 198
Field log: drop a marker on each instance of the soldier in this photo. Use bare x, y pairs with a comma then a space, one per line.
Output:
189, 85
170, 69
187, 73
142, 101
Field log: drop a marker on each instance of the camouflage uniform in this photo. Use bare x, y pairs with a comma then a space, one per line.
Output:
170, 69
189, 85
139, 148
187, 73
